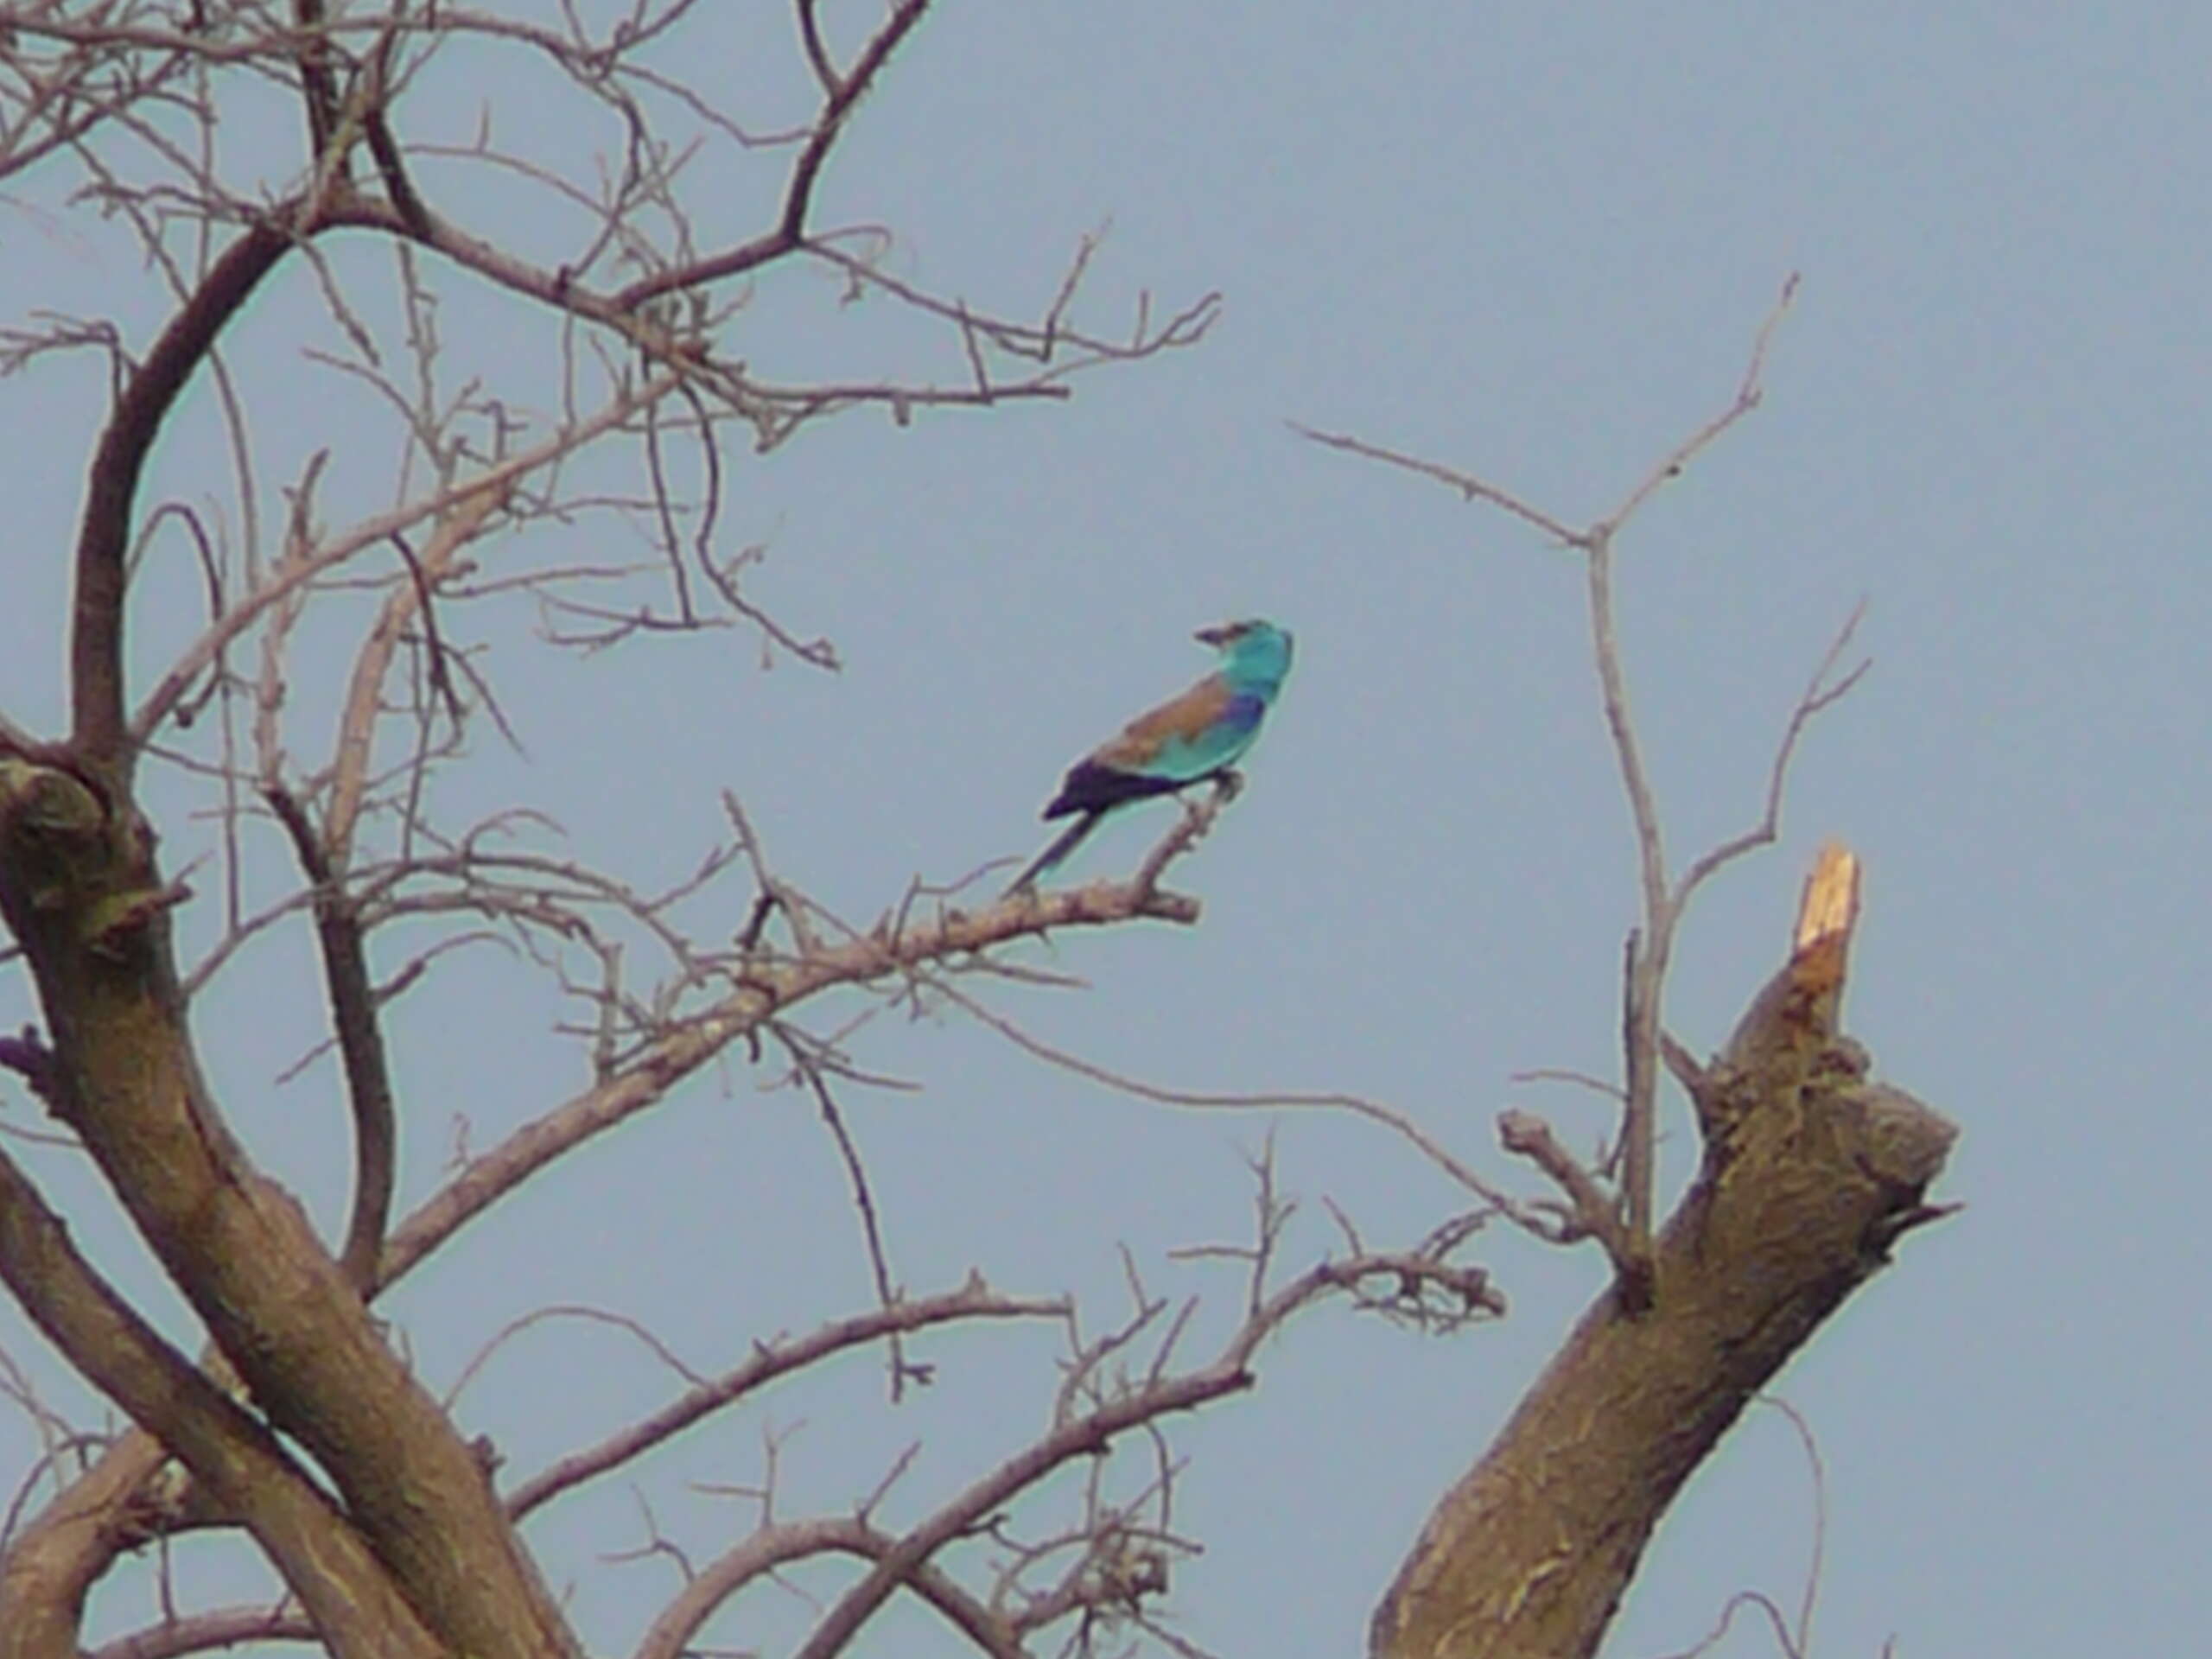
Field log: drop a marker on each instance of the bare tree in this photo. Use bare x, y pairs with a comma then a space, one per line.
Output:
301, 1426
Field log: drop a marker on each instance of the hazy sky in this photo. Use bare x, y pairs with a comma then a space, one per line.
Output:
1532, 242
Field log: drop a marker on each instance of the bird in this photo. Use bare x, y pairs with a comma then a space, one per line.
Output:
1188, 740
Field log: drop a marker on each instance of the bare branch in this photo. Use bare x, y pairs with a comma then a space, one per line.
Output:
375, 128
317, 84
1470, 487
286, 580
772, 1361
1751, 391
765, 989
1650, 946
672, 1633
360, 1044
103, 534
456, 528
798, 192
810, 1068
1094, 1432
1645, 977
220, 1627
1611, 1092
1397, 1122
1595, 1213
1820, 693
1814, 1564
818, 54
1743, 1598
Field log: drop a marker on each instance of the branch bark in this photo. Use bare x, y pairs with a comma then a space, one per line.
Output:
96, 665
1810, 1174
81, 891
360, 1044
350, 1598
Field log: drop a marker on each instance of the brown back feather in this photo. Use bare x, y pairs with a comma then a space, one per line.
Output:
1184, 717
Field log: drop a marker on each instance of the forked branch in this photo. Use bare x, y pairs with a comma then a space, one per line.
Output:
843, 92
360, 1035
1664, 899
233, 1454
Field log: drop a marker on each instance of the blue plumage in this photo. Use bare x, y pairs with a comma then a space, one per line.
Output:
1188, 740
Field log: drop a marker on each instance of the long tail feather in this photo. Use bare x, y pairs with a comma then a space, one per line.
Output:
1064, 843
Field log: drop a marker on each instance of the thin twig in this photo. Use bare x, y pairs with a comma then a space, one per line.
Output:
810, 1068
1397, 1121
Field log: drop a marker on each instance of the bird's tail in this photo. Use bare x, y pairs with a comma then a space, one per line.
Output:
1064, 843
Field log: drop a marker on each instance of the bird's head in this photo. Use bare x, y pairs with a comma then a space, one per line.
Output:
1251, 650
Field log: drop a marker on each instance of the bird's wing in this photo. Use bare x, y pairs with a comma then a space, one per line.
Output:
1208, 711
1089, 787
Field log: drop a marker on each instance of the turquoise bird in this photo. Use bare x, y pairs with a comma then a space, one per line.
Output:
1188, 740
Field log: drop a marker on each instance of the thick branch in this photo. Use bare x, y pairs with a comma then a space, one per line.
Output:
96, 663
218, 1628
81, 890
317, 86
1810, 1174
1647, 953
360, 1044
344, 1589
51, 1565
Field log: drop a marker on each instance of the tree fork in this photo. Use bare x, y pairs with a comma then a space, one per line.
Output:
81, 891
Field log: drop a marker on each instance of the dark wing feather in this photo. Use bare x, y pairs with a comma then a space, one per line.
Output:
1089, 787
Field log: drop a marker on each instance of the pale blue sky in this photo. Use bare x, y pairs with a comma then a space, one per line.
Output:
1532, 242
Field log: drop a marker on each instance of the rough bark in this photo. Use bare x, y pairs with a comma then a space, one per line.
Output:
1810, 1174
47, 1573
240, 1467
81, 891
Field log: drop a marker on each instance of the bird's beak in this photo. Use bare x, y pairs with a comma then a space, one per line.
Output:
1220, 635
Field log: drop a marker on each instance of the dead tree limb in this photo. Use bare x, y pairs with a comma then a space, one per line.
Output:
1811, 1172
